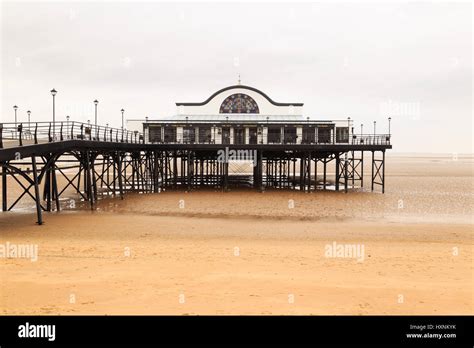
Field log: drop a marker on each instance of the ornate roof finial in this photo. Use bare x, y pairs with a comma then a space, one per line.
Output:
238, 81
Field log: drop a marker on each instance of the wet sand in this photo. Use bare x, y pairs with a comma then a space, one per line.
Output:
245, 252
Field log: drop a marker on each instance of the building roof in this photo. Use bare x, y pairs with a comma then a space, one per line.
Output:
243, 87
233, 118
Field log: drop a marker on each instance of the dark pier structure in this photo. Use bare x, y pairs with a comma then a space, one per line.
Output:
188, 151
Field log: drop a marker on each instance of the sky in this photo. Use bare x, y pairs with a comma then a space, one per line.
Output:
368, 61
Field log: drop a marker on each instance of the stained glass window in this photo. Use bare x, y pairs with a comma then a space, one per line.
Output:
239, 103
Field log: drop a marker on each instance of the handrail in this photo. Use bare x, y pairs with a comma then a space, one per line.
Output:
70, 130
371, 139
73, 130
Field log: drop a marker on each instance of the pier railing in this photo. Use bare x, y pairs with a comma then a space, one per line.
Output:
371, 139
20, 134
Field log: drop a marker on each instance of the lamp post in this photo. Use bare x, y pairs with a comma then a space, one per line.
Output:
29, 123
53, 93
389, 119
15, 108
375, 123
67, 126
361, 129
348, 128
96, 102
122, 116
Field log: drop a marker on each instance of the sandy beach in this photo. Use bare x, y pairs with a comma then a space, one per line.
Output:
245, 252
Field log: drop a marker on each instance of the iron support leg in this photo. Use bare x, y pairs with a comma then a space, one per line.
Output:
39, 213
4, 188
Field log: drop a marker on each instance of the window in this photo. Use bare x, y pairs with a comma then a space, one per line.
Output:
205, 135
274, 135
290, 135
239, 103
308, 135
154, 134
324, 135
189, 135
252, 135
342, 134
170, 134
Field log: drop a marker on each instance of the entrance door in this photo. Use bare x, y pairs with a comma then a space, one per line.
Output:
252, 135
189, 135
309, 134
239, 137
274, 135
324, 135
225, 135
290, 135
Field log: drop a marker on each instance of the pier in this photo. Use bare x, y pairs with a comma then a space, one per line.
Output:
95, 161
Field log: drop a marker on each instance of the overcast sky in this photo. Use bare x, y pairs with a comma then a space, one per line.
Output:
410, 61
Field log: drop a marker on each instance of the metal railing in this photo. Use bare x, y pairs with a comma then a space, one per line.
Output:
21, 134
371, 139
364, 139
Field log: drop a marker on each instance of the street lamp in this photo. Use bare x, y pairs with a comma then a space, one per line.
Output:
15, 108
375, 123
348, 128
96, 129
95, 103
53, 93
67, 125
122, 116
29, 124
361, 129
389, 119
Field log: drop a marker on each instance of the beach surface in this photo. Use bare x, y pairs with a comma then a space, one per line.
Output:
245, 252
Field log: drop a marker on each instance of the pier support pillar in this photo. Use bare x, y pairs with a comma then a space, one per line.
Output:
325, 161
119, 174
257, 172
383, 171
226, 175
156, 171
378, 171
54, 183
89, 180
346, 172
4, 187
373, 164
39, 213
47, 189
